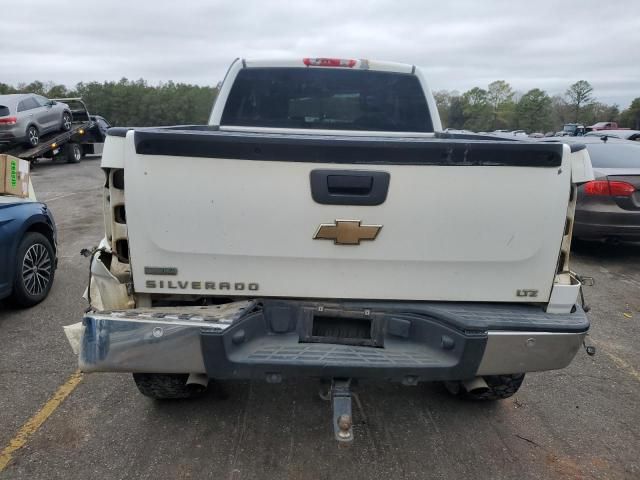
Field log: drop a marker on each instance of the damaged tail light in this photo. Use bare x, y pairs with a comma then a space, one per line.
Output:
612, 188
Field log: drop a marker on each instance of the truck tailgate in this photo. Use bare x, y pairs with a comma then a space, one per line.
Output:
222, 213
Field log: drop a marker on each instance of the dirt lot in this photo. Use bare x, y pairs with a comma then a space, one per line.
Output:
581, 422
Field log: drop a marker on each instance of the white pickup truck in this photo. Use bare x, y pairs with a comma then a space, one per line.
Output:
323, 226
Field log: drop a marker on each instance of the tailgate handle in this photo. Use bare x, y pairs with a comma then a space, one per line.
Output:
349, 184
349, 187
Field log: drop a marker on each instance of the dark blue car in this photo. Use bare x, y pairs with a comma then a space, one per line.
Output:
28, 252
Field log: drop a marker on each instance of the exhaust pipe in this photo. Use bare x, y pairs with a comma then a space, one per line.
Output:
476, 385
198, 381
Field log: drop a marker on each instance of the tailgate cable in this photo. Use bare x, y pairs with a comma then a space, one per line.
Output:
585, 281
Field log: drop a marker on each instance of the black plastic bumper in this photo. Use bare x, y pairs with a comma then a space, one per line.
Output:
409, 342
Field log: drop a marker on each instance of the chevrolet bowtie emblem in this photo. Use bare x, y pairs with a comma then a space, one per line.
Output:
346, 232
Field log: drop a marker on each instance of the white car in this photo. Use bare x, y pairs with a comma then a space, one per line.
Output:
623, 134
24, 118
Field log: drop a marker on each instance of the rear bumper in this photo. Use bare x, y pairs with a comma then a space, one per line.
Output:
8, 138
598, 225
12, 133
421, 342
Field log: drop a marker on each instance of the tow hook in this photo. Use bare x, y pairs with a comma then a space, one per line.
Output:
340, 394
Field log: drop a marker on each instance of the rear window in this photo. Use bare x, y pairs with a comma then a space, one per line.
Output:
4, 111
327, 99
614, 155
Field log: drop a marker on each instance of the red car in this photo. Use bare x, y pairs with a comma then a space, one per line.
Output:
605, 126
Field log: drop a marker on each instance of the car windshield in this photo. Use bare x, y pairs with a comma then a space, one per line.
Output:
41, 100
321, 98
614, 155
4, 111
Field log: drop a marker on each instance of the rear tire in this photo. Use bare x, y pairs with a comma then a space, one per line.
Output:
166, 386
33, 136
34, 270
500, 387
73, 152
66, 122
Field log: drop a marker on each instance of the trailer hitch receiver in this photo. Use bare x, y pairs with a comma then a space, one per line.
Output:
341, 404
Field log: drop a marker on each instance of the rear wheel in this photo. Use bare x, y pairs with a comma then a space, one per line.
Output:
66, 122
33, 137
35, 268
73, 152
499, 387
165, 386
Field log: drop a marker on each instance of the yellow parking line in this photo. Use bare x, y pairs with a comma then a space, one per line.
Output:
623, 365
619, 362
34, 423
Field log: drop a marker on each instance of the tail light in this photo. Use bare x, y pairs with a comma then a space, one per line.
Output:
328, 62
612, 188
8, 120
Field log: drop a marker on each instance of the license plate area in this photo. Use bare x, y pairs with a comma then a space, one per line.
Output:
343, 328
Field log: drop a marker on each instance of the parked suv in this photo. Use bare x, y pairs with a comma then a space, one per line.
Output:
25, 117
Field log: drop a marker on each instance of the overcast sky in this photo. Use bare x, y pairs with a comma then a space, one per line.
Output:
546, 44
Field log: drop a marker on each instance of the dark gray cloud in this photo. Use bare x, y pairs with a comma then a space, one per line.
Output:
546, 44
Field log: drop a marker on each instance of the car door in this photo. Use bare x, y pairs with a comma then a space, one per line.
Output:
49, 117
29, 112
7, 240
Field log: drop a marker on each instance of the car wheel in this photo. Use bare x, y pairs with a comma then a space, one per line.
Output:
66, 121
499, 387
33, 137
73, 152
35, 269
165, 386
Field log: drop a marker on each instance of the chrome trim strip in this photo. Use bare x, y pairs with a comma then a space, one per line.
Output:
519, 352
192, 322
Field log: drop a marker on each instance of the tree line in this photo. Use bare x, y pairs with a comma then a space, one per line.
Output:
138, 103
499, 107
133, 103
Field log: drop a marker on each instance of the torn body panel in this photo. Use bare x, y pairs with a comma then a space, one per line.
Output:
107, 291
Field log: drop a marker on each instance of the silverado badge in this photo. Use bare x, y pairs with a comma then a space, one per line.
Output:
346, 232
